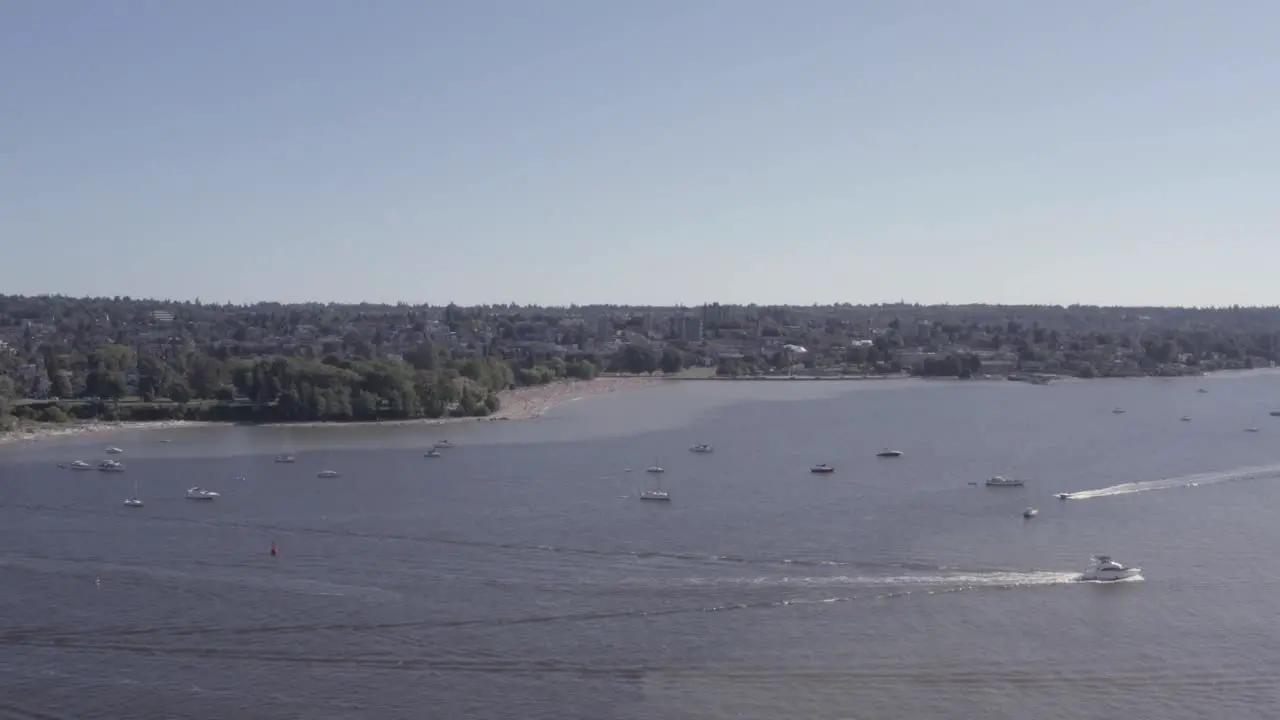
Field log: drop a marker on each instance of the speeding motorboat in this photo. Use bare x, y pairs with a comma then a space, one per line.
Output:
822, 469
1104, 569
701, 448
1030, 513
1063, 496
110, 466
889, 453
1001, 481
199, 493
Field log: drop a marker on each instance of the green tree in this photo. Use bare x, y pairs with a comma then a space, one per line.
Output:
672, 361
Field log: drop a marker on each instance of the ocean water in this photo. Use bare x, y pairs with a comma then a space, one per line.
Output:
520, 576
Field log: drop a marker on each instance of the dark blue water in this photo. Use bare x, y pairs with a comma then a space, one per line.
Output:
519, 575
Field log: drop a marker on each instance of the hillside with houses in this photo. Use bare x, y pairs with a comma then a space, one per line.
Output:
61, 355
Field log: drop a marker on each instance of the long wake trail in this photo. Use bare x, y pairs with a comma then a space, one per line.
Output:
1257, 472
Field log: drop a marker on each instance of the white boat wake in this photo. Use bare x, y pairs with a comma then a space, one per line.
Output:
924, 582
1258, 472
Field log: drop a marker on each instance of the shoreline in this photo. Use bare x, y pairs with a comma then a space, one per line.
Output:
524, 403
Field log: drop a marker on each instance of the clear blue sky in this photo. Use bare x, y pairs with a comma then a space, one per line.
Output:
642, 151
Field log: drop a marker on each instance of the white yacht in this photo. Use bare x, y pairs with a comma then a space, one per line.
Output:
199, 493
110, 466
889, 453
1030, 513
286, 459
80, 465
1107, 570
328, 473
443, 444
1001, 481
114, 451
432, 453
701, 448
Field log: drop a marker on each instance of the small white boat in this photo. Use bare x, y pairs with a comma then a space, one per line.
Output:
701, 448
1104, 569
114, 451
822, 469
1185, 418
110, 466
199, 493
133, 501
1251, 429
1001, 481
286, 459
1063, 496
656, 492
328, 473
886, 453
80, 465
654, 469
443, 444
432, 453
1117, 411
1030, 512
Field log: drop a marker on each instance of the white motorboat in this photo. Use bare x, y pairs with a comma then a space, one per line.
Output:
1030, 513
886, 453
286, 459
1063, 496
432, 453
110, 466
655, 467
1251, 429
328, 473
114, 451
80, 465
1185, 418
443, 444
822, 469
1104, 569
1001, 481
701, 448
199, 493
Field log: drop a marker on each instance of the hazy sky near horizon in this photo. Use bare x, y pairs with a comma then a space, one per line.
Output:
642, 151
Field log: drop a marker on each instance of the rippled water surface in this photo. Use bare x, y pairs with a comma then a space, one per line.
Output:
520, 576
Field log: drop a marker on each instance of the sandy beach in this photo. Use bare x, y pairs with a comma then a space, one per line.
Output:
524, 403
